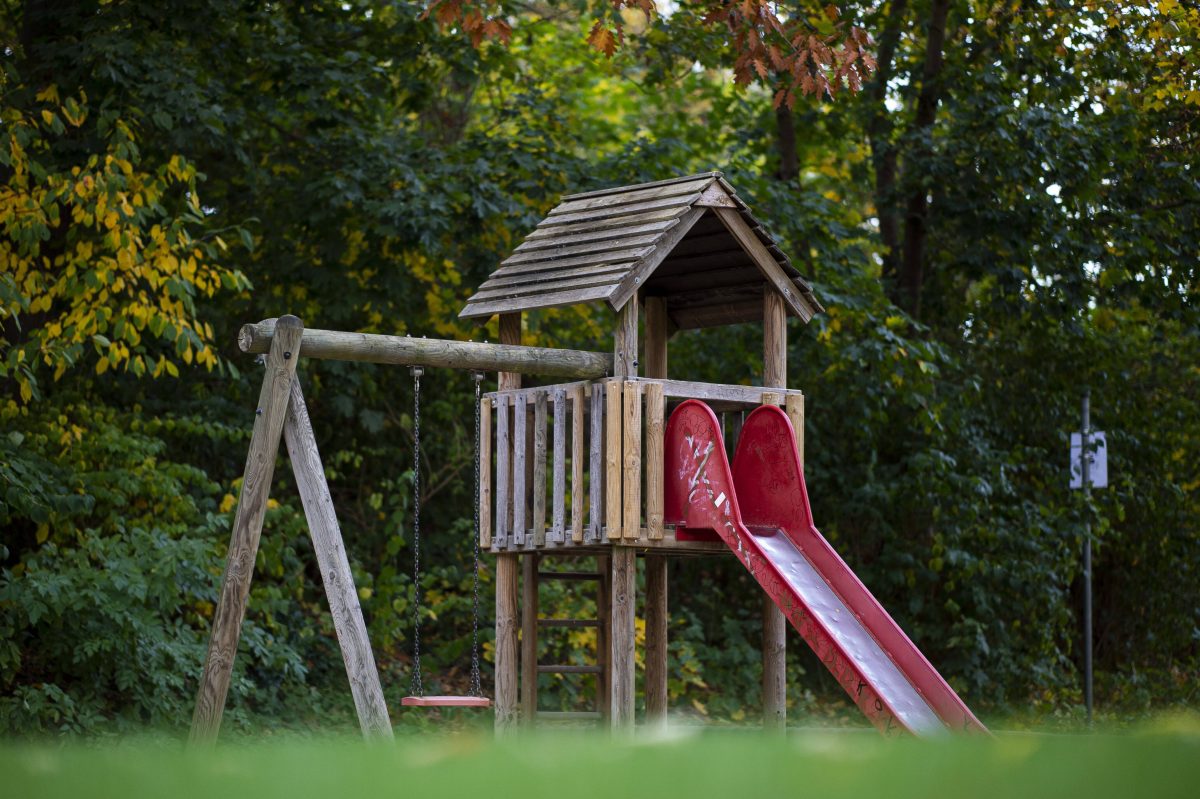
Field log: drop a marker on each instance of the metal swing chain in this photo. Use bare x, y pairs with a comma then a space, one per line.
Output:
476, 690
417, 689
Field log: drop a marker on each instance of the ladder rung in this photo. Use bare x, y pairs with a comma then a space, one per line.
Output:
564, 669
568, 576
568, 623
559, 715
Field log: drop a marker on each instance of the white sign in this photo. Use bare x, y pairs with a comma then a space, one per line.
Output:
1098, 463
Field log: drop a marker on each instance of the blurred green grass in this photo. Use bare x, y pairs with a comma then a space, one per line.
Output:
1161, 758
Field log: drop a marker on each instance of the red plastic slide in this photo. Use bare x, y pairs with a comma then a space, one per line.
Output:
760, 510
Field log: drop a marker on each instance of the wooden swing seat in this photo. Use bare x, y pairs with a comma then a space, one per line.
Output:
446, 701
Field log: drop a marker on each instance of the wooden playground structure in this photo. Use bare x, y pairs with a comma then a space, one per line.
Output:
567, 469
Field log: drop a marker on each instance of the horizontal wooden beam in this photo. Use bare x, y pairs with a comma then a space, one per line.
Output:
440, 353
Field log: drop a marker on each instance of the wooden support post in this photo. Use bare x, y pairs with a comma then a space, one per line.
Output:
485, 473
612, 459
774, 645
603, 638
657, 608
247, 529
577, 456
529, 647
656, 640
335, 570
623, 629
506, 578
623, 596
539, 469
632, 467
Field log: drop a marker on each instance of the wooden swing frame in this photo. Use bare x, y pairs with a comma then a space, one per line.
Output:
281, 412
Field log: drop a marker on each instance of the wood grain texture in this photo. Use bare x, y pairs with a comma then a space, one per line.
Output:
774, 623
507, 567
631, 467
555, 299
657, 618
578, 457
621, 189
603, 635
485, 472
765, 261
529, 644
547, 231
596, 467
539, 469
270, 414
633, 194
558, 470
520, 492
655, 413
795, 412
623, 630
503, 473
612, 459
625, 342
745, 397
407, 351
657, 332
629, 209
334, 566
664, 246
555, 238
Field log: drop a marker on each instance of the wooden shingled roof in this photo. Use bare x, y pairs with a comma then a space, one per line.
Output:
690, 240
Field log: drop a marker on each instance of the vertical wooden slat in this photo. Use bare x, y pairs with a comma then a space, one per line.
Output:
507, 571
795, 412
558, 494
539, 469
529, 648
655, 409
596, 465
624, 600
485, 473
612, 458
503, 473
247, 529
772, 398
334, 566
774, 624
631, 522
577, 457
520, 489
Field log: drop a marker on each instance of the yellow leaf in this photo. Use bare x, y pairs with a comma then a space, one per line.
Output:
43, 532
227, 503
102, 365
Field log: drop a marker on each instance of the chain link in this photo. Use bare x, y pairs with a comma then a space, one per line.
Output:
418, 689
476, 690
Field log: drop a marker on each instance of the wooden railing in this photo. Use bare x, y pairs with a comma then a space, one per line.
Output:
607, 436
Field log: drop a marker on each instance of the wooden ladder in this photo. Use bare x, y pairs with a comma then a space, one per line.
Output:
532, 626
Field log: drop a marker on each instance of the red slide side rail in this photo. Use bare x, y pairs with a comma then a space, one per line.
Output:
760, 510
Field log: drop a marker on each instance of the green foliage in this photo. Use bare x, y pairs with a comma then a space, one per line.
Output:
365, 172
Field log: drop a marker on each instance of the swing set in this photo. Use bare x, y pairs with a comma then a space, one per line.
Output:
418, 698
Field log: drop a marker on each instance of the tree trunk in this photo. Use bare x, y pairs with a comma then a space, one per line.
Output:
879, 132
912, 275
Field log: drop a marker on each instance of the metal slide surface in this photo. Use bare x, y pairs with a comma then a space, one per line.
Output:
760, 509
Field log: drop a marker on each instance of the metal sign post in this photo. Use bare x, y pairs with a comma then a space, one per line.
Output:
1089, 467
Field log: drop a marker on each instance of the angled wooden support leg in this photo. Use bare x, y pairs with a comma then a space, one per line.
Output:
335, 570
247, 529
